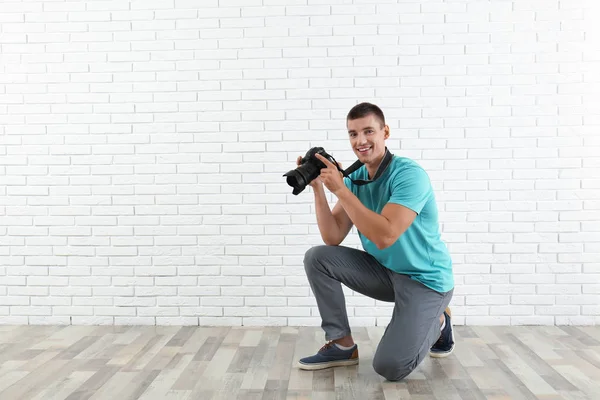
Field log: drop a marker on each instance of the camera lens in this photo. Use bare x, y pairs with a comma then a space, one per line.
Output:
296, 180
301, 176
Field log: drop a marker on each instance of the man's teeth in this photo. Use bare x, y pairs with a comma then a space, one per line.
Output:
364, 149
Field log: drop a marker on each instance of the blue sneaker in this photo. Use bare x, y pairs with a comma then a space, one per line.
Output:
445, 344
330, 356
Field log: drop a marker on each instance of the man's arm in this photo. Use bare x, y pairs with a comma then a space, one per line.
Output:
334, 226
381, 229
410, 192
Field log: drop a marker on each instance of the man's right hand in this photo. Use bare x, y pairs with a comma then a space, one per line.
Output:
315, 183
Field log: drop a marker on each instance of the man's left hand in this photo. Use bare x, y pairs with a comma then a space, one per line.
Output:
331, 177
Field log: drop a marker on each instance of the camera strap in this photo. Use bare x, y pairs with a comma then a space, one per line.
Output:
387, 158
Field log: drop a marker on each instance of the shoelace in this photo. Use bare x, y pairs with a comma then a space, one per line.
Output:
326, 345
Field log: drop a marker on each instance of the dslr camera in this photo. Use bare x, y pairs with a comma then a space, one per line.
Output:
308, 170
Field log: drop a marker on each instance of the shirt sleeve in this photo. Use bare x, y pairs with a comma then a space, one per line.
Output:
347, 182
411, 188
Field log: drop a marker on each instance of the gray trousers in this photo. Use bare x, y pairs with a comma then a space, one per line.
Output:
414, 325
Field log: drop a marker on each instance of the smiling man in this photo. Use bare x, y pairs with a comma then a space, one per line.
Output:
391, 202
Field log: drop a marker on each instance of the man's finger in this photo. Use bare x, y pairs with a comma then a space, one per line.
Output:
325, 161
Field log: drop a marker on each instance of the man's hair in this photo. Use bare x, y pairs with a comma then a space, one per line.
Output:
364, 109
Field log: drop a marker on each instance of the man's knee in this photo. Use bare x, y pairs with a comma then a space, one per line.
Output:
393, 368
313, 257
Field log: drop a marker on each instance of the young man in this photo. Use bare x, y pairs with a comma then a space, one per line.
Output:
391, 202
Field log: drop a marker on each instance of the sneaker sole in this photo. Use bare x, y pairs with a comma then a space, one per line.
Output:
441, 355
331, 364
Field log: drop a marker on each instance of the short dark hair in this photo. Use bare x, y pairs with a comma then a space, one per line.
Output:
364, 109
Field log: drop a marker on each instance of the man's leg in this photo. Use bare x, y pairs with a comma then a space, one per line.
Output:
327, 268
413, 329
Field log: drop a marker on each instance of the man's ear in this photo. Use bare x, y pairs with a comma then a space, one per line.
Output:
387, 131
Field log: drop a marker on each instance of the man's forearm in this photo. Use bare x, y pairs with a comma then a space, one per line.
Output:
374, 226
330, 231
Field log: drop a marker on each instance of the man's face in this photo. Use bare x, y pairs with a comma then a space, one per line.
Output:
367, 137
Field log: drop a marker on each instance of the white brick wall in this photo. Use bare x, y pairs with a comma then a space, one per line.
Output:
142, 145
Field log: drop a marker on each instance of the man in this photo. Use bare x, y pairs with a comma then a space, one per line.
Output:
404, 260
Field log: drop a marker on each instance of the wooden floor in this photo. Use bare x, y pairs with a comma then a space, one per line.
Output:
118, 363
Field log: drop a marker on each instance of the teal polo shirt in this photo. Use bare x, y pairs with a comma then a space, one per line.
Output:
419, 252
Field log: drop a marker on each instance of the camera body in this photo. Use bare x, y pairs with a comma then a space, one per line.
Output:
308, 170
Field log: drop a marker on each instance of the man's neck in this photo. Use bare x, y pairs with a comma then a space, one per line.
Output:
372, 167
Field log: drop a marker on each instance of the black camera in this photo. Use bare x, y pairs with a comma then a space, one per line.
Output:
308, 170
